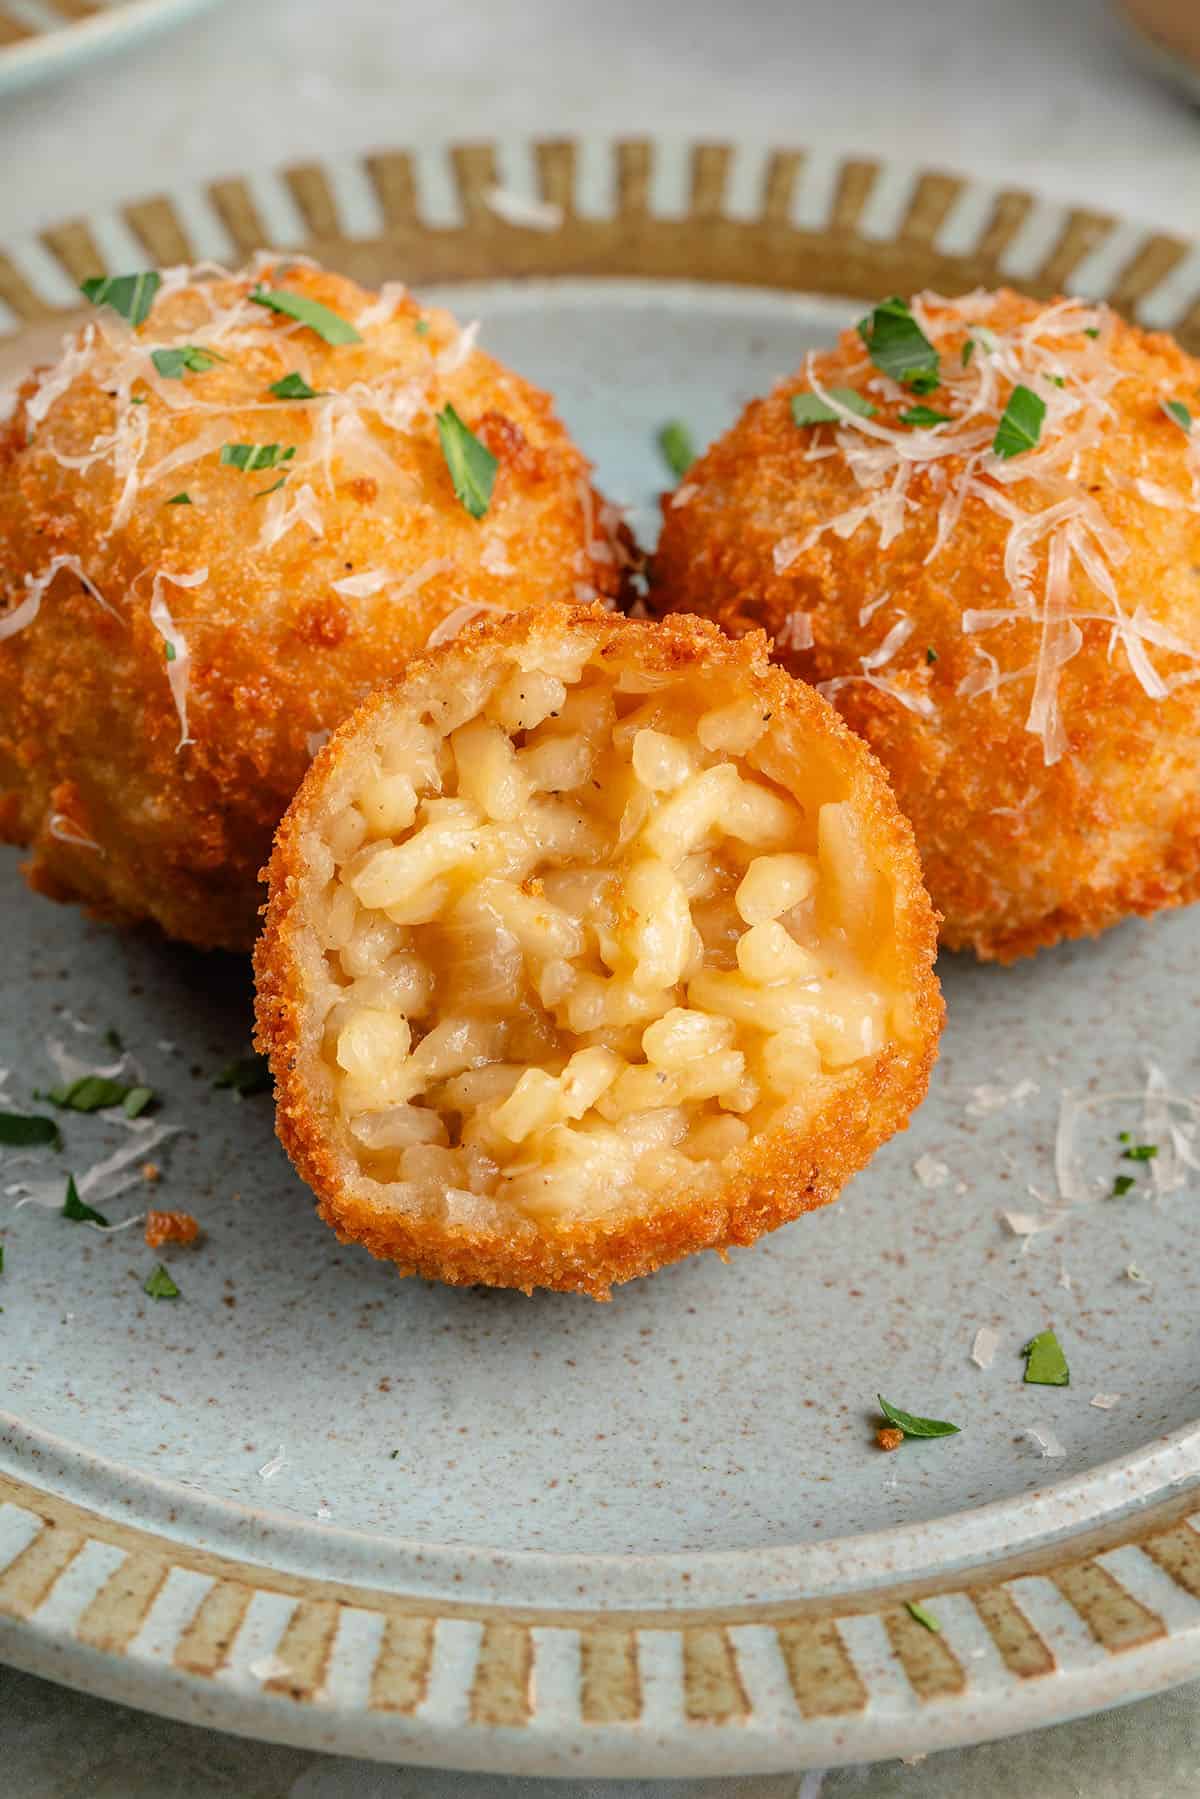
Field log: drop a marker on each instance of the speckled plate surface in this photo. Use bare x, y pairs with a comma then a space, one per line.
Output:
310, 1502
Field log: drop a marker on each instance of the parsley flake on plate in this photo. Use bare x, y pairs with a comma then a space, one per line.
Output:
811, 409
159, 1285
184, 359
136, 1101
130, 295
1140, 1152
912, 1425
328, 325
1020, 424
924, 415
90, 1093
28, 1130
676, 447
421, 327
293, 387
75, 1209
931, 655
264, 491
1045, 1363
916, 1610
1121, 1185
179, 499
968, 350
1179, 412
471, 464
246, 1076
249, 457
897, 345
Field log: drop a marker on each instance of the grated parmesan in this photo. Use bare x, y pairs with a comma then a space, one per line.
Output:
1051, 515
179, 663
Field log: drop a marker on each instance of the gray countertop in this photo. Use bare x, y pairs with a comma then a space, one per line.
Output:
1031, 92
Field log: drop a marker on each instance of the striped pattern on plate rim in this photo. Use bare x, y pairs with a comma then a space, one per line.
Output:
782, 218
776, 1676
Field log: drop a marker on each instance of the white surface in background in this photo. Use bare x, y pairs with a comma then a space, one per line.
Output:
1036, 92
1039, 93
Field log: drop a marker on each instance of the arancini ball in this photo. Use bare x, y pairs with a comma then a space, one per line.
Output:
975, 525
591, 942
232, 507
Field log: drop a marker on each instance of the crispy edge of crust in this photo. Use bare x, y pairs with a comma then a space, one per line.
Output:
782, 1174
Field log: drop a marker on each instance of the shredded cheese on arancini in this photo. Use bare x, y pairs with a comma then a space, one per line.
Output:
1055, 524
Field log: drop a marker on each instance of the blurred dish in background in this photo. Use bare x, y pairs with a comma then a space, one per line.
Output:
51, 37
1167, 35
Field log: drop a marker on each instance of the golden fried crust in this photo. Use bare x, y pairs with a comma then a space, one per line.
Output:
781, 1174
85, 706
1017, 855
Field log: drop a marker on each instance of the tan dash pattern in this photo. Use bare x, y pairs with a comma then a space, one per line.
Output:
205, 1644
823, 1678
303, 1650
1114, 1617
1024, 1652
500, 1693
610, 1685
712, 1687
401, 1677
1177, 1553
28, 1579
118, 1611
933, 1670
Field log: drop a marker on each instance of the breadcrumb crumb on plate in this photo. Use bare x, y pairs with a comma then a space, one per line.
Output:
590, 943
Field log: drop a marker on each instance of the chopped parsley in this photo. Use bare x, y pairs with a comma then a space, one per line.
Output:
810, 409
1045, 1363
924, 415
911, 1425
114, 1040
1058, 380
28, 1130
916, 1610
676, 447
1091, 330
471, 464
274, 488
293, 387
179, 499
897, 345
169, 651
246, 1076
328, 325
1179, 412
185, 359
1020, 425
1121, 1185
248, 457
90, 1093
136, 1101
1140, 1152
930, 653
159, 1285
130, 295
421, 327
968, 350
76, 1210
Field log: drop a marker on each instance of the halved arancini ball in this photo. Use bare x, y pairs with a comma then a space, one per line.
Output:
222, 527
979, 533
590, 943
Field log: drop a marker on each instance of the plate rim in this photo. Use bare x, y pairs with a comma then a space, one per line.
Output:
773, 1684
